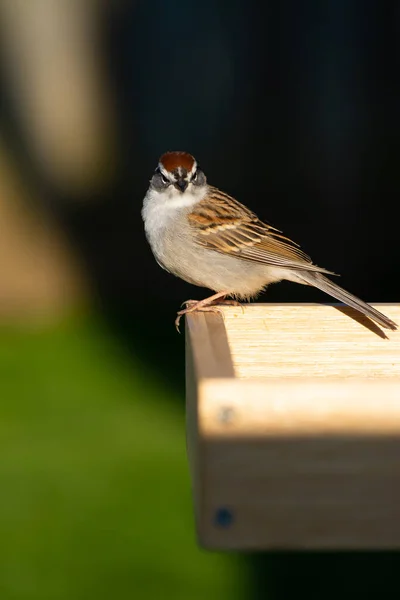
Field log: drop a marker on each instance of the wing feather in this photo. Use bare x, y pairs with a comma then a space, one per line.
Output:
226, 226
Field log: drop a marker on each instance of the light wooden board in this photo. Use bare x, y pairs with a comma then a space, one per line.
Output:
298, 407
206, 334
283, 340
294, 428
308, 493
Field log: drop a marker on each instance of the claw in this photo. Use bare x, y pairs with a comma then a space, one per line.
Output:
212, 308
189, 302
178, 318
206, 305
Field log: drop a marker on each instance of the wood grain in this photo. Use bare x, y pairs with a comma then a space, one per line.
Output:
299, 407
207, 356
309, 493
294, 428
288, 340
206, 334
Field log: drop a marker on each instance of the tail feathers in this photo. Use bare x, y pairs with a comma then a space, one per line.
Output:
327, 286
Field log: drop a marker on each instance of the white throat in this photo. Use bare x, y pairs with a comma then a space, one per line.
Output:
160, 207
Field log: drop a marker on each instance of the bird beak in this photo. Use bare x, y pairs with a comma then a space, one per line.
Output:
181, 184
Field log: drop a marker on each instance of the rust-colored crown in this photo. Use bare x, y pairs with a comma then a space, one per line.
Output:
173, 160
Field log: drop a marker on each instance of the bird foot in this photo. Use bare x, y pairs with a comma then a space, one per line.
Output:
230, 303
190, 303
193, 308
202, 306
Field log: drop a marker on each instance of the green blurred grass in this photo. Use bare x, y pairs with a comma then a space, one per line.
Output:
95, 494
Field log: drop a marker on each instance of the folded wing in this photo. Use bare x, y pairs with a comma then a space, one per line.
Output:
228, 227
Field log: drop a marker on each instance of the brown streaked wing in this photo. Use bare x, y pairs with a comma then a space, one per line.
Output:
230, 228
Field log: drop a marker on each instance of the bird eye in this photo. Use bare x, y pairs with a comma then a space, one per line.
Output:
194, 176
164, 179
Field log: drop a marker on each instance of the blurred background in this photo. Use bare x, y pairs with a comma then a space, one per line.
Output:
292, 107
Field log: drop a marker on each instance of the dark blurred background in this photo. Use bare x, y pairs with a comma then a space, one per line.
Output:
292, 107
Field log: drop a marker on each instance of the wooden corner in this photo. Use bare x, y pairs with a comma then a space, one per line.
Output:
294, 428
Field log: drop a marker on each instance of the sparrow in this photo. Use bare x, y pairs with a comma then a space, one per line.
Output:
206, 237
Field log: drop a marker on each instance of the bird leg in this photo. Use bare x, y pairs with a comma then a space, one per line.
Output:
206, 305
190, 303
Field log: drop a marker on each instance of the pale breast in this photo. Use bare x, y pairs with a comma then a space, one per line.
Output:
175, 248
164, 215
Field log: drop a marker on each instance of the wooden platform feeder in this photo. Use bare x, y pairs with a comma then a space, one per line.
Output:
293, 428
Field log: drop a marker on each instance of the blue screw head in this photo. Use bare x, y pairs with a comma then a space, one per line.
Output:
223, 517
